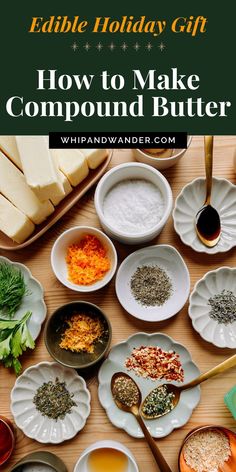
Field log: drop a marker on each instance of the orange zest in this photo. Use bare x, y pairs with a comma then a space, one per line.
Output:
82, 333
87, 261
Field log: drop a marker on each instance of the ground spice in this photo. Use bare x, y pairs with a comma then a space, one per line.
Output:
154, 363
223, 307
53, 400
207, 451
125, 391
87, 261
82, 334
158, 402
150, 285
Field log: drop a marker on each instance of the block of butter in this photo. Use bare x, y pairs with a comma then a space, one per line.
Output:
72, 163
39, 168
9, 146
95, 156
13, 222
66, 186
14, 187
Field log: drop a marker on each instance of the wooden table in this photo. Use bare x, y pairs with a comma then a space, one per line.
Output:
37, 258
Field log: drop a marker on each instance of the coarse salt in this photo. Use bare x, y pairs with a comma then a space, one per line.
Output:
133, 206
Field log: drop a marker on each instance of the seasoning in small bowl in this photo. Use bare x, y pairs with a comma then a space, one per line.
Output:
40, 461
78, 335
133, 202
83, 259
160, 158
7, 440
208, 449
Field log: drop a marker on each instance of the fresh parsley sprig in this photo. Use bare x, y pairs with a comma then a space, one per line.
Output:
15, 338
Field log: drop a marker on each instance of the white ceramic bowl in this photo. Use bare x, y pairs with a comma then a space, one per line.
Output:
58, 257
212, 283
31, 421
169, 259
33, 301
191, 199
81, 465
161, 163
132, 170
160, 427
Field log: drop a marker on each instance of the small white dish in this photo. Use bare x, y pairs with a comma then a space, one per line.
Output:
31, 421
160, 427
58, 257
212, 283
32, 301
166, 257
161, 163
191, 199
81, 465
129, 171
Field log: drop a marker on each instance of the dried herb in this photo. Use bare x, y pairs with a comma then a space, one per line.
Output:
53, 400
125, 391
12, 289
223, 307
150, 285
158, 402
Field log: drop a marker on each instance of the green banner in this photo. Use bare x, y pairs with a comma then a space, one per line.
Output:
147, 66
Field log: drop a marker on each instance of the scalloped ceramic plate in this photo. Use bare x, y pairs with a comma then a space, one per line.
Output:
32, 302
169, 259
160, 427
31, 421
191, 199
210, 330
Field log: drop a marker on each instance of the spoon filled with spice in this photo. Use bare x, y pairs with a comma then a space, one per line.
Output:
163, 399
208, 227
128, 398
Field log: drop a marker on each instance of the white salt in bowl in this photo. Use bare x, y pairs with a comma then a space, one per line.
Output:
133, 171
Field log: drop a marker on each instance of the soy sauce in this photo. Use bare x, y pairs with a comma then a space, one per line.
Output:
208, 223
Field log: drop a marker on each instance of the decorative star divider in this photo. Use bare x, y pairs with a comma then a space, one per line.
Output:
124, 47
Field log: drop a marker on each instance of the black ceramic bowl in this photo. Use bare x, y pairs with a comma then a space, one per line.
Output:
56, 326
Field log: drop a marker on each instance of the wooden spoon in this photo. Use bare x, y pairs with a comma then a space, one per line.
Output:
134, 410
208, 227
176, 390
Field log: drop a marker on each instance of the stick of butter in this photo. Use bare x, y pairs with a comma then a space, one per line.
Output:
14, 187
65, 182
66, 186
13, 222
9, 146
39, 168
95, 156
72, 163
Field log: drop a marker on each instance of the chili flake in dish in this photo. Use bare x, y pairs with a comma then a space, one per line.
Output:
154, 363
87, 261
82, 333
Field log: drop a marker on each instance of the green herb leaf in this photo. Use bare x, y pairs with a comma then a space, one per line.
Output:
12, 289
5, 347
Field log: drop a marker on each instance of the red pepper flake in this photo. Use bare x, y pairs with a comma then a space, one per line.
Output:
154, 363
